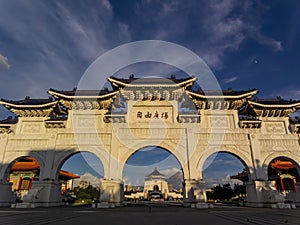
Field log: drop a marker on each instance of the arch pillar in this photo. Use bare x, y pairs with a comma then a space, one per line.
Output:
112, 187
111, 193
7, 197
293, 196
262, 193
45, 193
193, 192
297, 194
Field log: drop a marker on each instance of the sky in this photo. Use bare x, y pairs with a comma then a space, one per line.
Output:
247, 44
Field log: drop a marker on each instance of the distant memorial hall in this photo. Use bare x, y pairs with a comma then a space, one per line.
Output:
167, 113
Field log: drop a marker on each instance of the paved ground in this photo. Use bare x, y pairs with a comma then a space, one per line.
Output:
141, 215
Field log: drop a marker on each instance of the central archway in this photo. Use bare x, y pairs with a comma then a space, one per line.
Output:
152, 173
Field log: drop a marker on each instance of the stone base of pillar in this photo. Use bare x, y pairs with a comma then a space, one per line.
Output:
262, 194
111, 194
6, 195
42, 194
294, 196
194, 193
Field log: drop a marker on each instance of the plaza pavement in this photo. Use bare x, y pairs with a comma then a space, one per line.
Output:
143, 215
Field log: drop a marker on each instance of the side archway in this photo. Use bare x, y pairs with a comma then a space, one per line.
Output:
12, 159
98, 166
284, 172
246, 161
293, 158
21, 173
63, 156
79, 175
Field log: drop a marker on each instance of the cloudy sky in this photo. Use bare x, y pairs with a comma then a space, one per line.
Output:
247, 44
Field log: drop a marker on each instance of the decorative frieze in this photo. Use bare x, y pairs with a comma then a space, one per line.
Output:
6, 129
274, 127
150, 94
28, 144
216, 121
114, 118
84, 121
55, 124
31, 127
250, 124
87, 104
240, 137
146, 132
218, 104
297, 128
83, 138
279, 144
188, 118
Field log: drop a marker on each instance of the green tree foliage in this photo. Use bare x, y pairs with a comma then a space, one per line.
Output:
89, 193
221, 193
239, 190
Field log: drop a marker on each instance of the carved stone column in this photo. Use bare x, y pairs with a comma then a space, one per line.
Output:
42, 194
193, 192
6, 194
111, 193
262, 193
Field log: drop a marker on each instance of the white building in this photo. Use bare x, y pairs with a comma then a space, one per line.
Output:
156, 185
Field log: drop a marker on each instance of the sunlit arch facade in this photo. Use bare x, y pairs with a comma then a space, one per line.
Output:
135, 114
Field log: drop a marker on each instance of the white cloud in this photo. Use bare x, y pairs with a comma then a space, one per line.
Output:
211, 182
127, 180
148, 69
3, 63
93, 180
274, 44
168, 172
55, 41
287, 93
230, 79
221, 26
294, 94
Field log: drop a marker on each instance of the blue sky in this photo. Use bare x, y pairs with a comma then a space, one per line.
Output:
247, 44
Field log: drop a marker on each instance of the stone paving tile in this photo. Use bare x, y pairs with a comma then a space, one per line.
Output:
142, 215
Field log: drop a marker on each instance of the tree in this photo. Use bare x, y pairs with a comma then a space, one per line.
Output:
239, 190
89, 193
222, 193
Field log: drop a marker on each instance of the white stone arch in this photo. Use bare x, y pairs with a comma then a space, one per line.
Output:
13, 158
293, 158
164, 145
246, 160
64, 155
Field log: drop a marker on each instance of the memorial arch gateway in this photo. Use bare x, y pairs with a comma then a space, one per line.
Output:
149, 112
